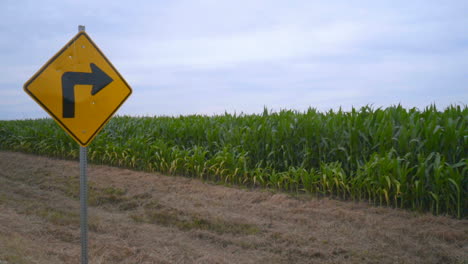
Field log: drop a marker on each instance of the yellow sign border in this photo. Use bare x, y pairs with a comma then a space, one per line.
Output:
57, 120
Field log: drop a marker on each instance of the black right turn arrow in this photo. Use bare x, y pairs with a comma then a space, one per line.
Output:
97, 78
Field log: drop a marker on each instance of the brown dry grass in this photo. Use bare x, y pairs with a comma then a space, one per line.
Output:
138, 217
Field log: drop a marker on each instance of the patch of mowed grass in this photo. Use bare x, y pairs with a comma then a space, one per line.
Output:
108, 195
11, 258
26, 201
18, 248
97, 196
135, 201
154, 213
70, 187
13, 251
3, 198
58, 217
112, 196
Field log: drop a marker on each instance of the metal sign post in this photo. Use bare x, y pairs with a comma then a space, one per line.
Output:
83, 197
84, 204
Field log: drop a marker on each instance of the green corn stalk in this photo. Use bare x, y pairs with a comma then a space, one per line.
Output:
407, 158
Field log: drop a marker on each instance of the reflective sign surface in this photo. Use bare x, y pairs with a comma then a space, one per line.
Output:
79, 88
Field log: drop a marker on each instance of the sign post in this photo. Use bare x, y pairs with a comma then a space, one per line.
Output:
81, 89
84, 204
83, 196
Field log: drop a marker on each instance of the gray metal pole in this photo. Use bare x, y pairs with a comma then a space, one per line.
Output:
84, 204
83, 197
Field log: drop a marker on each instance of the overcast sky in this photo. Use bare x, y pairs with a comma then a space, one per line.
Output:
212, 56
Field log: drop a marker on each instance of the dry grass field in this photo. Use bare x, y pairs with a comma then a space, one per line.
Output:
137, 217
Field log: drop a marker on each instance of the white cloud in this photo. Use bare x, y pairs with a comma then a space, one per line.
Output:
226, 50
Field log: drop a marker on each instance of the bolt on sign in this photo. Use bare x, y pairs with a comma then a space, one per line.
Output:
80, 88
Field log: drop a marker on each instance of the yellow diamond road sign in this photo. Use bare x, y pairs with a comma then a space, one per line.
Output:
79, 88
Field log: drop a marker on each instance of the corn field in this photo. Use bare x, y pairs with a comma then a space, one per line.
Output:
396, 157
